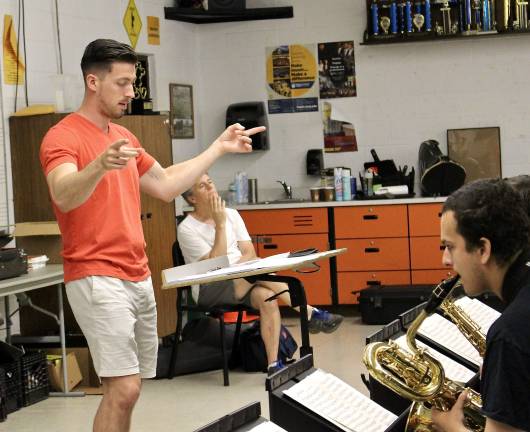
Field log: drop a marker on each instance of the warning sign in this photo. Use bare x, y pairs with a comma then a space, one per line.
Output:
132, 23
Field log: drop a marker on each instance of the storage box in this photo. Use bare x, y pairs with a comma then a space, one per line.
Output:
89, 383
40, 238
55, 371
35, 379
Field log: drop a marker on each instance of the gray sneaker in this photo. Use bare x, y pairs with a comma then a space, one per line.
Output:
324, 321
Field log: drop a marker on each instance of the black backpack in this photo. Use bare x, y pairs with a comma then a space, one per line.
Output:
252, 349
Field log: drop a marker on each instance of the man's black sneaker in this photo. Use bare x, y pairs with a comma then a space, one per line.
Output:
275, 368
324, 321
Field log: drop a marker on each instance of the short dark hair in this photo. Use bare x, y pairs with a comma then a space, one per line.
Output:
521, 184
186, 195
492, 209
101, 53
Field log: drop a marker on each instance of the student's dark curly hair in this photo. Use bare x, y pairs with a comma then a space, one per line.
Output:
101, 53
521, 184
492, 209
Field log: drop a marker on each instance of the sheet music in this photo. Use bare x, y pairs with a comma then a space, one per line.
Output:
271, 261
479, 312
4, 202
445, 333
267, 427
340, 403
453, 370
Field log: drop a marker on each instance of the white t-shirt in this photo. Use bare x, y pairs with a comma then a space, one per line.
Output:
196, 239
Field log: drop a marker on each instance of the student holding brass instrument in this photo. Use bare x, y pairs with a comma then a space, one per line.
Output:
485, 232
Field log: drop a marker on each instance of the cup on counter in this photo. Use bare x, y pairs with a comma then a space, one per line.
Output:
252, 190
327, 193
315, 194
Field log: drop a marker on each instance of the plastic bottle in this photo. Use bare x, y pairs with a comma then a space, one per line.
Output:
346, 184
369, 177
337, 171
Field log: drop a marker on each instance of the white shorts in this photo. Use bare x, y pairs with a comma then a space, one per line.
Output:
118, 319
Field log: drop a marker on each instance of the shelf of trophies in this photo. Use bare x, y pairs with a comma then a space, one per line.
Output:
401, 21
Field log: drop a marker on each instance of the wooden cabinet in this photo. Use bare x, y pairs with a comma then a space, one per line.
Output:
378, 248
277, 231
425, 248
32, 203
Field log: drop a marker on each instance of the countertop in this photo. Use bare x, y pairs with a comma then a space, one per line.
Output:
325, 204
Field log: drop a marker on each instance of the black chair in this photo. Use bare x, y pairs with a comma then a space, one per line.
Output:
184, 304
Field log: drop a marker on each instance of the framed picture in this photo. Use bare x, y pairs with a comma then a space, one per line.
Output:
181, 111
478, 150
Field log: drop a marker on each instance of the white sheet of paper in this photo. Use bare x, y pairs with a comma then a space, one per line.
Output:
453, 370
267, 427
445, 333
340, 403
479, 312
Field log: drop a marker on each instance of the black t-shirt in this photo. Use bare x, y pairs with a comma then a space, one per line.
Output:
506, 371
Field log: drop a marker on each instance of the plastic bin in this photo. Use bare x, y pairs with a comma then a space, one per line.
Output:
13, 387
35, 381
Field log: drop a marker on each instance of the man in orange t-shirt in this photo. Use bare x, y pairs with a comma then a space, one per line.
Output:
95, 171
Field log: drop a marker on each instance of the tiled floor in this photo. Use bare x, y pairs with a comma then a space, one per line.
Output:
188, 402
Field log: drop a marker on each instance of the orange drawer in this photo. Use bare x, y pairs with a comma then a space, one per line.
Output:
425, 253
288, 221
356, 281
424, 219
425, 277
317, 285
373, 254
371, 221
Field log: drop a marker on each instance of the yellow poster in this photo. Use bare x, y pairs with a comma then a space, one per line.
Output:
292, 83
13, 65
153, 30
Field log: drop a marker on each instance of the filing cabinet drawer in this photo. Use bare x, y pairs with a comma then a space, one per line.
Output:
425, 277
356, 281
373, 254
424, 219
371, 221
426, 253
288, 221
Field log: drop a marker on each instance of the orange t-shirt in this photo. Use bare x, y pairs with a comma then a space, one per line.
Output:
103, 236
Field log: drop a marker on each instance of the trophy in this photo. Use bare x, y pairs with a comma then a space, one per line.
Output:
393, 18
486, 15
408, 15
428, 24
446, 19
467, 15
476, 9
385, 24
418, 21
375, 18
401, 7
521, 15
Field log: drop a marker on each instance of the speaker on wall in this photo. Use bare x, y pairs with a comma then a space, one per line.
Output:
250, 115
226, 5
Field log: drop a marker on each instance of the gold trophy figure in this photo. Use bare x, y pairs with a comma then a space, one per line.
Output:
521, 15
418, 21
385, 24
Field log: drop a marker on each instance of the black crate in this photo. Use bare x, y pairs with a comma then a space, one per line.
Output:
35, 381
3, 410
13, 386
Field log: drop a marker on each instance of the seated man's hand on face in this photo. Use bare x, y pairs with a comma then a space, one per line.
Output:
217, 209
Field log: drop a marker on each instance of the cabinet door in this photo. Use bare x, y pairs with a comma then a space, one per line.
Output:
425, 277
373, 254
288, 221
426, 253
317, 285
424, 219
357, 281
371, 221
158, 217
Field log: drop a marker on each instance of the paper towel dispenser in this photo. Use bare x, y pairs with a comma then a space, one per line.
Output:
250, 114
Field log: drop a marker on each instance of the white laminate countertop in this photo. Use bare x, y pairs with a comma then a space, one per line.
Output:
310, 204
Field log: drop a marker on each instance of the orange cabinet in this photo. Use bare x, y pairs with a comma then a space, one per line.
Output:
357, 281
317, 284
286, 221
373, 254
371, 221
424, 219
425, 277
425, 253
277, 231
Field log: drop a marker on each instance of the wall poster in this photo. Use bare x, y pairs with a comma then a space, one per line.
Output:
339, 133
292, 79
336, 70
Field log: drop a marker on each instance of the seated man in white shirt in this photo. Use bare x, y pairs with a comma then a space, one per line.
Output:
212, 230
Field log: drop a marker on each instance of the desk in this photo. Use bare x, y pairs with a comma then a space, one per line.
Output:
39, 278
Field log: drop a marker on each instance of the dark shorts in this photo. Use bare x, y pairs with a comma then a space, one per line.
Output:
221, 293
